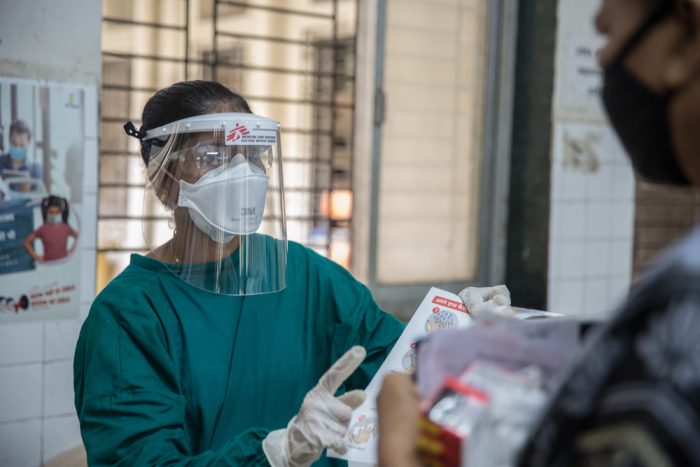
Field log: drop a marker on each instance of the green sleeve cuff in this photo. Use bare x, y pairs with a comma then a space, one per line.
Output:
246, 448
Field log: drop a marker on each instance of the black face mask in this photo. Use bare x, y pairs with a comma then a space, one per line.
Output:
640, 116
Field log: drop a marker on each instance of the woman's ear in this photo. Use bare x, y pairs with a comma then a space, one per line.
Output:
166, 186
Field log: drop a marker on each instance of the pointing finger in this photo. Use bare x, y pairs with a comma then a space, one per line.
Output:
342, 369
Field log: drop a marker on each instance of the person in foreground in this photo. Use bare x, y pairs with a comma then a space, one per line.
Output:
226, 344
633, 397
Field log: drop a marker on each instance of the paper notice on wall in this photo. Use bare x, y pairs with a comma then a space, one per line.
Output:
579, 78
438, 310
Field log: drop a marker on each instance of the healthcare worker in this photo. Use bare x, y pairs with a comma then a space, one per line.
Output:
633, 397
226, 344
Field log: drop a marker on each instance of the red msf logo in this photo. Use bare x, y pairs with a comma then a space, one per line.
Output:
237, 132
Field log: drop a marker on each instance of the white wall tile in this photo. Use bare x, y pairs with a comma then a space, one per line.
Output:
87, 282
598, 220
60, 338
20, 443
21, 343
600, 183
559, 129
623, 187
618, 153
622, 214
91, 112
609, 150
597, 258
555, 301
552, 296
20, 392
621, 258
571, 260
557, 182
573, 185
569, 298
596, 297
619, 289
84, 310
60, 434
90, 166
88, 222
58, 388
555, 221
572, 221
553, 258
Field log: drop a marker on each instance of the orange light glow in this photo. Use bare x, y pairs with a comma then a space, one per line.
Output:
341, 205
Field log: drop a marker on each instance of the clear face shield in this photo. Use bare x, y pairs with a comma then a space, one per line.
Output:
220, 178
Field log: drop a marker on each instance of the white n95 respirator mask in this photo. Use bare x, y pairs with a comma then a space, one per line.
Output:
226, 201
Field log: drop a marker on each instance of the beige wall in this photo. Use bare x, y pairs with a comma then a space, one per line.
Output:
432, 141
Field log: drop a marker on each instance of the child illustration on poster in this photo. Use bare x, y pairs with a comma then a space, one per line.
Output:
55, 233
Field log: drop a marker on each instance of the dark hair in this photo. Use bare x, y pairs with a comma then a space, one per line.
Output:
20, 127
52, 200
187, 99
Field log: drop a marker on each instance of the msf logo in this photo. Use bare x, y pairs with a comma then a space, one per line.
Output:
237, 133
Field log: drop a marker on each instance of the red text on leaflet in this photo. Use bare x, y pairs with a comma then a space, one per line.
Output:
447, 303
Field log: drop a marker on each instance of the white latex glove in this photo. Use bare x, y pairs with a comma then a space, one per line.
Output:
322, 421
478, 300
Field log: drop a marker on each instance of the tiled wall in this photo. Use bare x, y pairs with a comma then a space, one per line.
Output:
36, 393
591, 224
592, 182
37, 416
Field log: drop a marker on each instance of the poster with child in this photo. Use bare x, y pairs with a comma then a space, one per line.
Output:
42, 136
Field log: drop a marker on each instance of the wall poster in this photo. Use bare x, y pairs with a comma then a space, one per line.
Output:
42, 169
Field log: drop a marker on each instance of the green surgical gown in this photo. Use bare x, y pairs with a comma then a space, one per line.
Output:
166, 373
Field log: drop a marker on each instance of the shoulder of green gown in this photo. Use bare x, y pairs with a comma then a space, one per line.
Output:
127, 289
